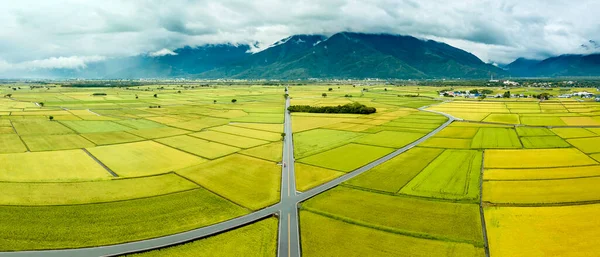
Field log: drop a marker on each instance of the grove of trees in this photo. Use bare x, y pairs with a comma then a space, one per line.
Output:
354, 108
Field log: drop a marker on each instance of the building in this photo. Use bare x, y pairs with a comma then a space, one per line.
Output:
583, 94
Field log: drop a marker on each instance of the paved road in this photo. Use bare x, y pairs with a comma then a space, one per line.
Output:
288, 244
286, 209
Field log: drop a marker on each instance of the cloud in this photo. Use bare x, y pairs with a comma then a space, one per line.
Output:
162, 52
36, 33
71, 62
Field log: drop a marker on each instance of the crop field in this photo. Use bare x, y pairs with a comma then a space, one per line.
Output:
110, 223
56, 142
321, 237
69, 165
568, 133
197, 146
111, 138
129, 165
247, 181
354, 156
503, 118
308, 176
143, 158
229, 139
440, 220
542, 173
318, 140
48, 193
454, 174
258, 239
542, 191
536, 158
496, 138
586, 145
391, 139
543, 231
394, 174
544, 142
270, 152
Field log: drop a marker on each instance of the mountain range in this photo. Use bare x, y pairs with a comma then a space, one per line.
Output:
570, 65
340, 56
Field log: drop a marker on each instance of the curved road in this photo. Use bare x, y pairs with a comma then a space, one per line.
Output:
286, 209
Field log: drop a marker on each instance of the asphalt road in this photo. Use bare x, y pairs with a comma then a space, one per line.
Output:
287, 209
288, 244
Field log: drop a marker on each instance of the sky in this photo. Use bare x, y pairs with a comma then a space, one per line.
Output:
44, 34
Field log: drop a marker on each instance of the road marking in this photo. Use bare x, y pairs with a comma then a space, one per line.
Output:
289, 240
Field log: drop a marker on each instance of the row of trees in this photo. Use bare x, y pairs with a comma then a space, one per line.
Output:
355, 108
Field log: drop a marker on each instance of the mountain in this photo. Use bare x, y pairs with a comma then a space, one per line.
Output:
182, 62
560, 66
357, 55
342, 55
521, 66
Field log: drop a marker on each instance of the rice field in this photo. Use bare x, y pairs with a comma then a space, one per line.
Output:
454, 174
542, 191
56, 193
200, 159
43, 227
487, 138
392, 175
247, 181
536, 158
438, 220
348, 157
143, 158
543, 231
258, 239
321, 237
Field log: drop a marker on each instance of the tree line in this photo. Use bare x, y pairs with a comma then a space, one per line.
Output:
354, 108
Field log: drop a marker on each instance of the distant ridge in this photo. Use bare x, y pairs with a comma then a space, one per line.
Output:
342, 55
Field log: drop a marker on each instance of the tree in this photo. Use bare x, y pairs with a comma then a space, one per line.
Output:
481, 97
474, 91
8, 95
487, 91
233, 100
178, 91
543, 96
286, 96
51, 118
214, 101
355, 108
324, 95
282, 136
41, 104
136, 96
385, 89
330, 89
506, 94
155, 95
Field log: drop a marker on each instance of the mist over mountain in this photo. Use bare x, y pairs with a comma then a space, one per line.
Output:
569, 65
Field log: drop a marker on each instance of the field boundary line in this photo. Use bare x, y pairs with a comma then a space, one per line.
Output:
17, 134
486, 245
100, 163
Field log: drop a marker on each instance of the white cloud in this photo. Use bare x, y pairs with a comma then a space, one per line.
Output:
494, 30
71, 62
162, 52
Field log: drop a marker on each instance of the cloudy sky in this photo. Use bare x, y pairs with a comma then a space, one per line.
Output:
71, 33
